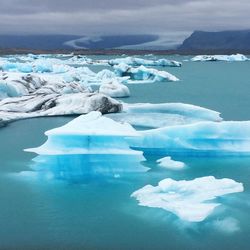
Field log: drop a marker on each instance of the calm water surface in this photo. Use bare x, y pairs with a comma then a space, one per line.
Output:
101, 215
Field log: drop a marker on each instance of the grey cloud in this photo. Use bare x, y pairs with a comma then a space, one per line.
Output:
98, 17
36, 6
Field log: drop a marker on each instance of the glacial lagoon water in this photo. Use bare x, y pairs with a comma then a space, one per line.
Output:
100, 214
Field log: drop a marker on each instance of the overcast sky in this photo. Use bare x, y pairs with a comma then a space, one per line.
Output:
102, 17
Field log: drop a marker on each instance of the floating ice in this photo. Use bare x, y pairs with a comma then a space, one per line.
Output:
189, 200
168, 163
90, 145
113, 88
203, 138
56, 104
134, 61
143, 74
231, 58
147, 115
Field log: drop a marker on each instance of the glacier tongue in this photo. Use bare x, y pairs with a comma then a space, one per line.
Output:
89, 146
189, 200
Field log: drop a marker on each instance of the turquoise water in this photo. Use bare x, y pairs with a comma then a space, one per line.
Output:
100, 214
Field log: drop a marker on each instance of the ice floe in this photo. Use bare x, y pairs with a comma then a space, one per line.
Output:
135, 61
90, 145
36, 105
202, 138
143, 75
228, 58
147, 115
113, 88
192, 200
168, 163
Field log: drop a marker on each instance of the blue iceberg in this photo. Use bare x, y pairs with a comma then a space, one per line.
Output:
201, 138
142, 74
89, 146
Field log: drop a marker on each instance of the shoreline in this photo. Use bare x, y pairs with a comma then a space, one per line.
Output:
118, 52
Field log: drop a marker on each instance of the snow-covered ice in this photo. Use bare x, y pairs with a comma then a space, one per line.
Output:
192, 200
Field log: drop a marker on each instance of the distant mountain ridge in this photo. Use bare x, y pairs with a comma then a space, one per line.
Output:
223, 40
42, 42
55, 42
199, 42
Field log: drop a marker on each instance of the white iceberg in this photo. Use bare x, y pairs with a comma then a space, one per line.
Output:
143, 74
228, 58
135, 61
147, 115
89, 146
189, 200
113, 88
168, 163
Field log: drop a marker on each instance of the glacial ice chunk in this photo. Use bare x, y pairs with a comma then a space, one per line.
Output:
56, 104
204, 138
168, 163
228, 58
89, 146
147, 115
190, 200
113, 88
135, 61
143, 74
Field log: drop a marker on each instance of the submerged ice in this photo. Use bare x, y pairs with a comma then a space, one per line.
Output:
192, 200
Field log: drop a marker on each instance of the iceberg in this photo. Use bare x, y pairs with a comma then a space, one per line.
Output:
168, 163
89, 146
143, 74
201, 138
228, 58
18, 84
192, 200
113, 88
148, 115
38, 105
134, 61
